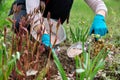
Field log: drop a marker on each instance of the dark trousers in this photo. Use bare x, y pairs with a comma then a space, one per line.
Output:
58, 9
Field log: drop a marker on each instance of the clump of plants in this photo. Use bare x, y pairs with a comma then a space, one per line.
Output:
35, 59
91, 59
7, 61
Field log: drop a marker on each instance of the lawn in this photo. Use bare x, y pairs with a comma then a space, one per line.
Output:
81, 16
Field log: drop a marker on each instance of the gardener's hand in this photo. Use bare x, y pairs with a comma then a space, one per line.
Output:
99, 25
46, 40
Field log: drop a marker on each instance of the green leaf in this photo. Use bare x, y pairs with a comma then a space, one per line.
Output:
86, 60
77, 65
80, 70
77, 62
9, 70
4, 54
1, 72
72, 35
86, 34
17, 55
12, 63
82, 75
59, 66
99, 66
88, 64
96, 59
18, 71
42, 73
1, 55
77, 34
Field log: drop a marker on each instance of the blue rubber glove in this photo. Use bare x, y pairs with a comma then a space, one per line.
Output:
46, 40
99, 25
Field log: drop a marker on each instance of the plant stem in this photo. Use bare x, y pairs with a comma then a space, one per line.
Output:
83, 47
77, 66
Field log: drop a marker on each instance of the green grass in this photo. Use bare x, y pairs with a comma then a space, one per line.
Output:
4, 10
80, 11
113, 19
81, 16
